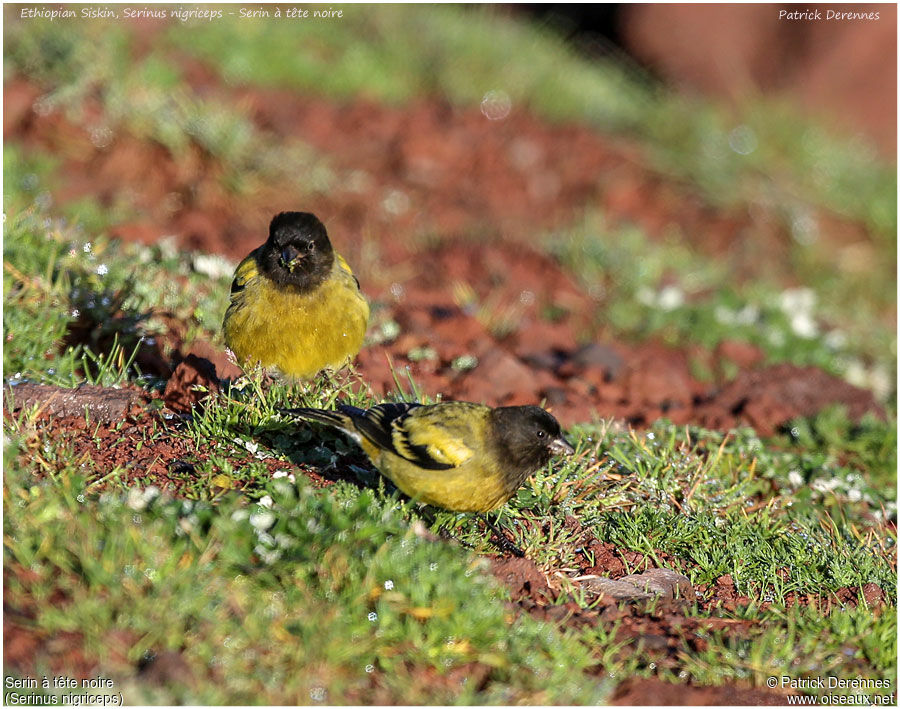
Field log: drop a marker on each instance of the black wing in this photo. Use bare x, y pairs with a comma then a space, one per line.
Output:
383, 425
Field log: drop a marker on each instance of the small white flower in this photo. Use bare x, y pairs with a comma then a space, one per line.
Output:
803, 325
880, 381
823, 485
250, 446
396, 202
855, 373
139, 499
805, 229
835, 339
266, 501
854, 495
743, 140
724, 315
775, 336
795, 300
795, 478
262, 520
670, 298
388, 585
747, 315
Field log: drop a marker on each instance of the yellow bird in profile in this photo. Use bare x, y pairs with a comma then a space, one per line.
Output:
454, 455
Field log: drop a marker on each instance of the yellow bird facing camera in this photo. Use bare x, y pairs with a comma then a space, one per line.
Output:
455, 455
296, 307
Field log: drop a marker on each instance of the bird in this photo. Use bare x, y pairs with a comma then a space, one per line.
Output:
456, 455
296, 308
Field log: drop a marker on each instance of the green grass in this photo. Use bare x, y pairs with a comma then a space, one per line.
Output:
357, 601
64, 281
321, 597
844, 645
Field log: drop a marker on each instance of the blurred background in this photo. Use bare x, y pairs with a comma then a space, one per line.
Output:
523, 190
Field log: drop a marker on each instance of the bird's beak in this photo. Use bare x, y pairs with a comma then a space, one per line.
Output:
560, 446
291, 257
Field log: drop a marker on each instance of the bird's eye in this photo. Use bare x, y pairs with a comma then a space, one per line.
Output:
541, 434
310, 246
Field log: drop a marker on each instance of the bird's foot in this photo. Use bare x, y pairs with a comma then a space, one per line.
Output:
503, 543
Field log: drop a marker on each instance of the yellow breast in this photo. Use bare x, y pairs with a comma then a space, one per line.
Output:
298, 334
471, 487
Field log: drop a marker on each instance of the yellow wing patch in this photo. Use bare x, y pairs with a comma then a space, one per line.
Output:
244, 273
343, 263
438, 443
345, 267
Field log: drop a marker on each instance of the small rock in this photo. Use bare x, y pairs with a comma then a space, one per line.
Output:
598, 356
503, 376
637, 587
662, 582
617, 589
873, 594
104, 404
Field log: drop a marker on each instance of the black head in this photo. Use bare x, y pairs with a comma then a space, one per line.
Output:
297, 252
527, 438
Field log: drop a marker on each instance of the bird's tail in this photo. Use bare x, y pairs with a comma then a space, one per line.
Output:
331, 418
